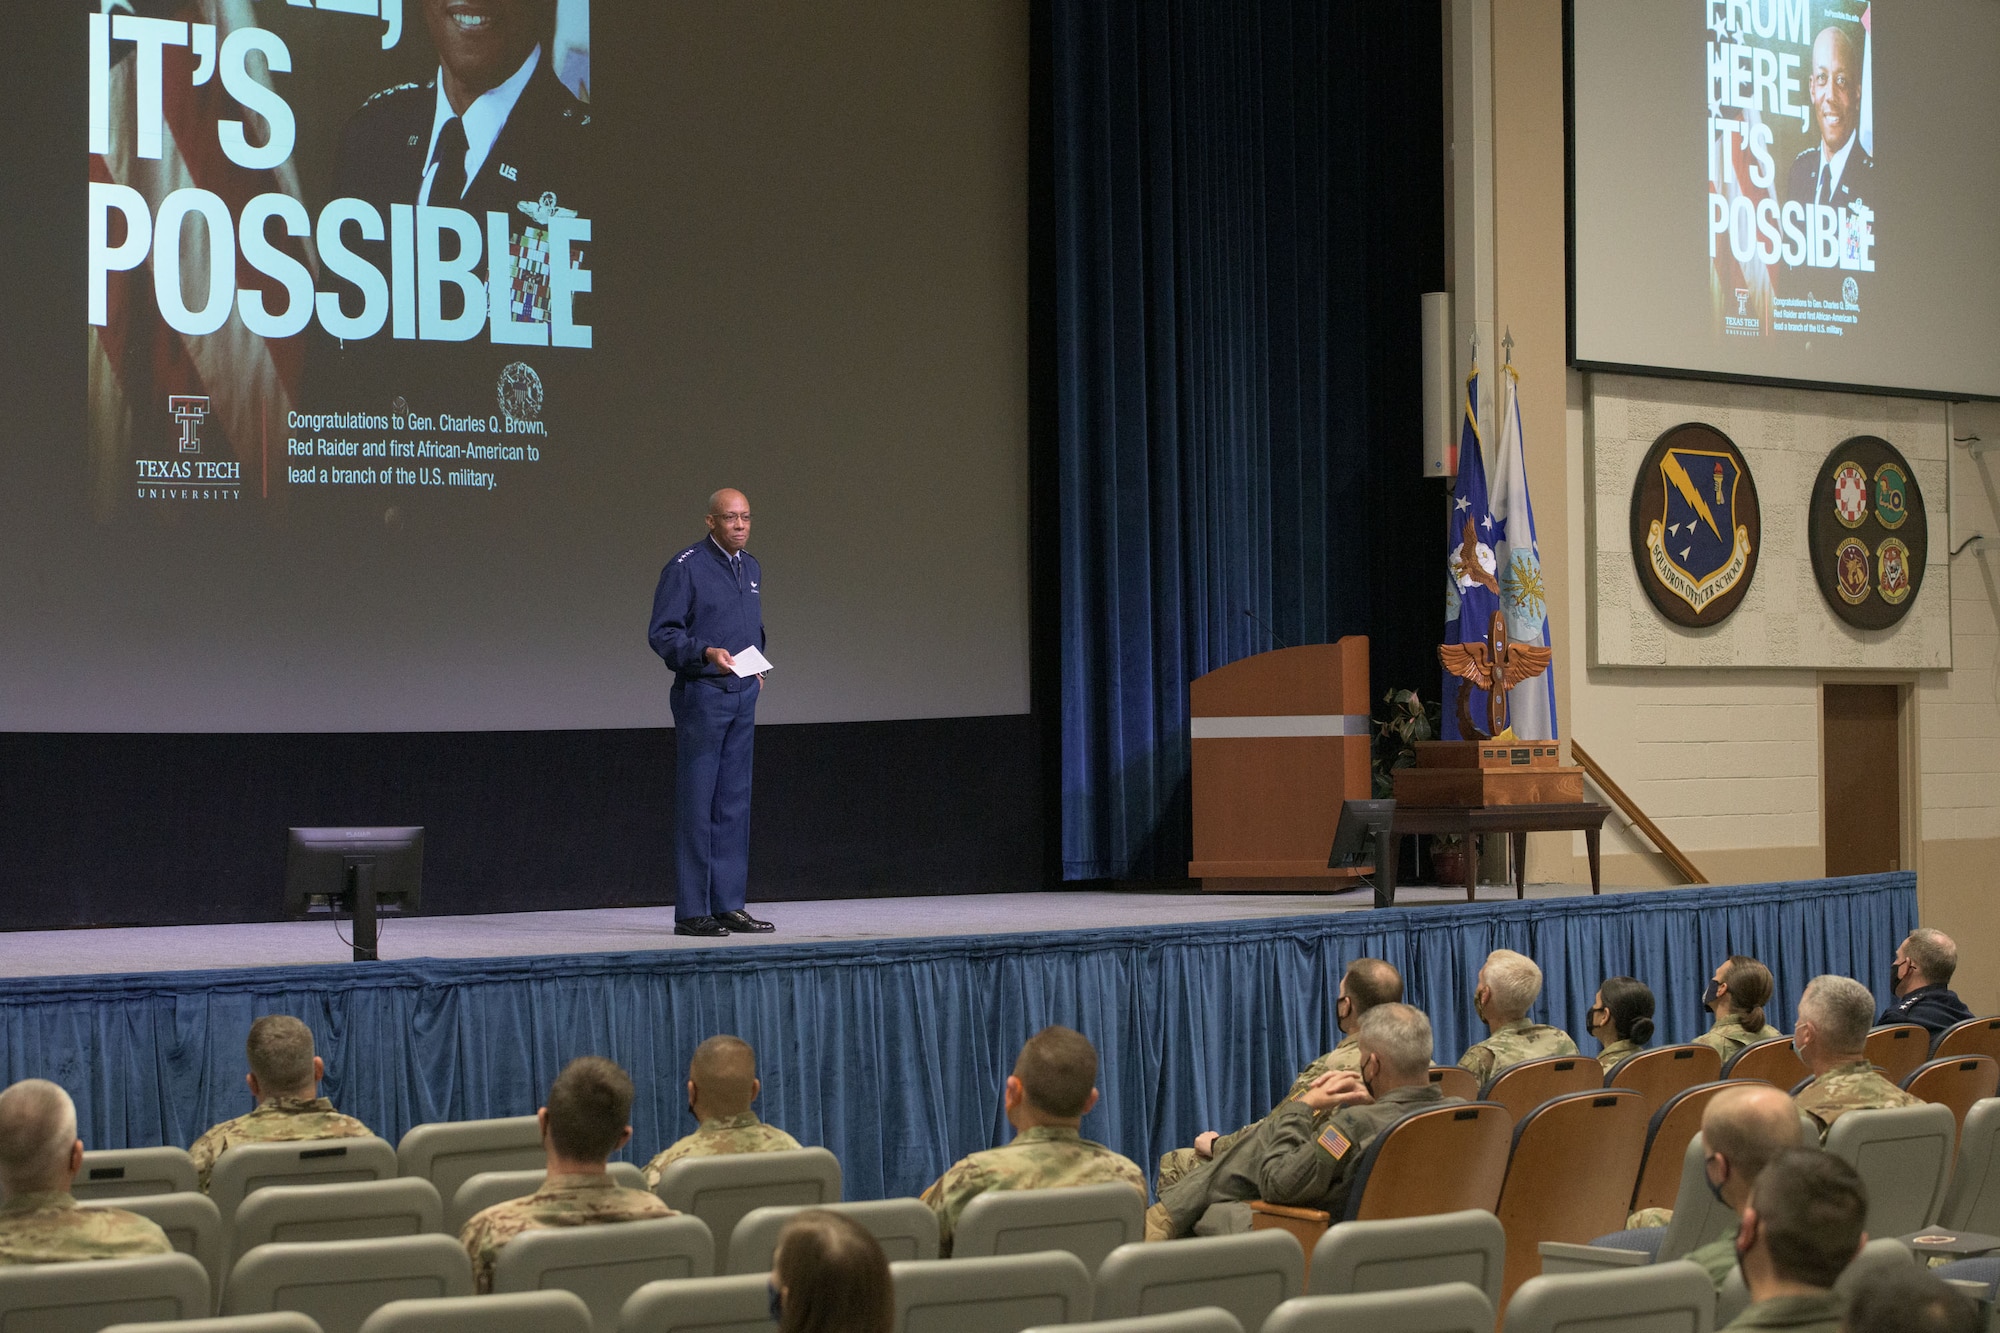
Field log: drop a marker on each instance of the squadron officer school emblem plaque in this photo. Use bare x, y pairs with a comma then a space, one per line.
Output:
1696, 527
1866, 492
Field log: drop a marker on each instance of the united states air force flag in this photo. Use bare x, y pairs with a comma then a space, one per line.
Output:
1531, 708
1472, 586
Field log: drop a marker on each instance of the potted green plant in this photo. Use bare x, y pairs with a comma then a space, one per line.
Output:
1404, 719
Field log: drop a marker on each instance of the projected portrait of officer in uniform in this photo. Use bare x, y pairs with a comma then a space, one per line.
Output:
1835, 170
493, 131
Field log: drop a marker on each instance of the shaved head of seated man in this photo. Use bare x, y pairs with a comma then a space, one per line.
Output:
1053, 1086
1306, 1152
284, 1078
40, 1154
722, 1082
587, 1119
1367, 983
1804, 1224
1835, 1014
1509, 985
1742, 1130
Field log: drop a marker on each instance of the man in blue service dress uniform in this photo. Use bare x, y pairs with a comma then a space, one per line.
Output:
708, 609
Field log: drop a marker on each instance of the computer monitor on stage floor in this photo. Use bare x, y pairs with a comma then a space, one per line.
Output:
356, 872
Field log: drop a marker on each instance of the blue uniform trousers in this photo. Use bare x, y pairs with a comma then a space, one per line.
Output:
712, 750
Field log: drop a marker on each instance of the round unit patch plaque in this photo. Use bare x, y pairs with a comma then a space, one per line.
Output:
1868, 533
1696, 528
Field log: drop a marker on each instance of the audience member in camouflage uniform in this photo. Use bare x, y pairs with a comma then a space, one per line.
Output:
1742, 1128
1802, 1227
1304, 1153
1509, 984
284, 1078
1835, 1014
41, 1223
1737, 995
586, 1120
1051, 1089
1369, 982
722, 1082
1621, 1018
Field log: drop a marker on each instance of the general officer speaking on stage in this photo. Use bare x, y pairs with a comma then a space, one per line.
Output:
707, 610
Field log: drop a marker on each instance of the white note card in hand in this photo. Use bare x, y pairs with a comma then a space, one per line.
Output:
750, 662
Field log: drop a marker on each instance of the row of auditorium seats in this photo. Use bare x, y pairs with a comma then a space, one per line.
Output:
1434, 1275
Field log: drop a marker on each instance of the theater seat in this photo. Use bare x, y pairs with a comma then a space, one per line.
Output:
352, 1210
1207, 1319
1975, 1036
116, 1173
339, 1283
1659, 1075
1522, 1087
278, 1321
720, 1190
1671, 1295
1773, 1062
1957, 1081
1089, 1221
305, 1162
1451, 1307
517, 1312
85, 1297
605, 1264
1569, 1175
1469, 1246
192, 1222
700, 1305
1897, 1049
449, 1153
1903, 1156
1000, 1294
1972, 1203
1249, 1276
1668, 1132
905, 1228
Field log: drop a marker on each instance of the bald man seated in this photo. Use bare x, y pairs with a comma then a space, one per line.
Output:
40, 1154
722, 1083
1742, 1129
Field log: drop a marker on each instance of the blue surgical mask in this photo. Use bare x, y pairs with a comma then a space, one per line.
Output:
777, 1303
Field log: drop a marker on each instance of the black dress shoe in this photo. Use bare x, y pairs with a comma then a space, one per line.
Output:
700, 925
742, 923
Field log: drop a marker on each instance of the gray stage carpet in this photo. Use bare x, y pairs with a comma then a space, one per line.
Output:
50, 953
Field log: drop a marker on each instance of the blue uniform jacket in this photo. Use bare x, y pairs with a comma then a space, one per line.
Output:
698, 606
1936, 1007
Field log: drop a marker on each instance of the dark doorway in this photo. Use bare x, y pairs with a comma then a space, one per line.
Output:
1863, 778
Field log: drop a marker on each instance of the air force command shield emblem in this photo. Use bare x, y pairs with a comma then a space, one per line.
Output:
1695, 525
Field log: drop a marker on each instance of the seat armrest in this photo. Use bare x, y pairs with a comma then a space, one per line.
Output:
1563, 1257
1319, 1215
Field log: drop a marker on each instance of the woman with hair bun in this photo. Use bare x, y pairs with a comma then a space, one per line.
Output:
1737, 995
829, 1275
1621, 1017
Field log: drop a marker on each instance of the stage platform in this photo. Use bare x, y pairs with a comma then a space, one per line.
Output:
55, 953
884, 1029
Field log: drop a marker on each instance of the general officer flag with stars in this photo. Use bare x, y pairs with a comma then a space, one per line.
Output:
1472, 585
1531, 707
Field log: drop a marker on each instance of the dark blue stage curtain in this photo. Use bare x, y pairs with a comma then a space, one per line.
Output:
1248, 200
893, 1054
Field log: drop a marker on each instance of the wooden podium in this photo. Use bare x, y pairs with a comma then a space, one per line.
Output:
1280, 740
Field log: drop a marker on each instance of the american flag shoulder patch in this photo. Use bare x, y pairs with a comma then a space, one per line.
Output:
1335, 1143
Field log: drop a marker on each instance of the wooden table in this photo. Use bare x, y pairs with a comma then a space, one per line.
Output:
1517, 821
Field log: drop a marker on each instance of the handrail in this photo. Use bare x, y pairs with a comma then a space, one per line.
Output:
1635, 814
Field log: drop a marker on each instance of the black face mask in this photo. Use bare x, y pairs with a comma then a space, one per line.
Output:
777, 1303
1712, 995
1713, 1188
691, 1111
1367, 1083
